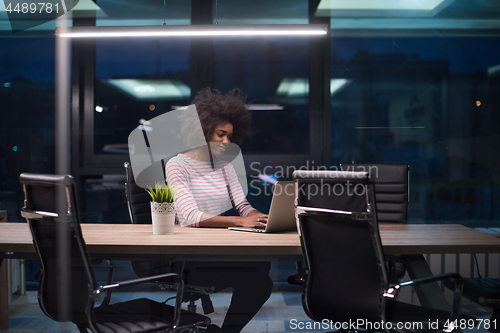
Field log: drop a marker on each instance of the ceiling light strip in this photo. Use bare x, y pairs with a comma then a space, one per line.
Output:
187, 31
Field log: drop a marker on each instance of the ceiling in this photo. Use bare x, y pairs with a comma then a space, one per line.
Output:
478, 17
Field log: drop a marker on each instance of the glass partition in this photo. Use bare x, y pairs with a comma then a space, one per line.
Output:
423, 92
136, 81
27, 115
274, 73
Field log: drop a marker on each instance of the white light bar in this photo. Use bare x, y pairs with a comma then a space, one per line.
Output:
381, 8
264, 107
253, 107
193, 30
151, 89
379, 4
300, 86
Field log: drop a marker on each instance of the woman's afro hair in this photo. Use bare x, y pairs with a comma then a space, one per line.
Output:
214, 109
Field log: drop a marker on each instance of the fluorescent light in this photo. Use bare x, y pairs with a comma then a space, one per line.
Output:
300, 87
369, 24
293, 87
337, 85
254, 107
379, 4
264, 107
151, 89
118, 148
384, 8
493, 70
195, 30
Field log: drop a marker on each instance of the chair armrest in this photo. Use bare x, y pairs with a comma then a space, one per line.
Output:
307, 210
111, 274
178, 297
300, 210
457, 294
128, 283
36, 214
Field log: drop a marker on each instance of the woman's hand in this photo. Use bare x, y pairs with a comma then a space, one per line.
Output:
253, 220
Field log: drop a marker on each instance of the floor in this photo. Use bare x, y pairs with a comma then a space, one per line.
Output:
282, 313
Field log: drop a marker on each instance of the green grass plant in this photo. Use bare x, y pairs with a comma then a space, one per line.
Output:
161, 193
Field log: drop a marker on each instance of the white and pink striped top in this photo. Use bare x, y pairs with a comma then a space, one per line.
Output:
201, 189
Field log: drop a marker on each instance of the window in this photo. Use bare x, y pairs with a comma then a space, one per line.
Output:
136, 81
274, 73
27, 116
426, 97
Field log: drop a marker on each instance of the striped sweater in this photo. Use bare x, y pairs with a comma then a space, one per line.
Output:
202, 190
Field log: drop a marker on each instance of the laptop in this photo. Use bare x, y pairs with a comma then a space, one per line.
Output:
281, 212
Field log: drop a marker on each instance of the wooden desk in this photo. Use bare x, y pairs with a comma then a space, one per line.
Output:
125, 241
129, 240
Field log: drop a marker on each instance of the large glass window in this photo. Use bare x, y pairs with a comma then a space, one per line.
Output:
27, 115
136, 81
274, 73
427, 98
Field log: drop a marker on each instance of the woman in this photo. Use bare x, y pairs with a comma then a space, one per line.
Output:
207, 185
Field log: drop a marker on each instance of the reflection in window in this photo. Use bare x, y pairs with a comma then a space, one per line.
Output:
137, 80
429, 102
259, 67
27, 115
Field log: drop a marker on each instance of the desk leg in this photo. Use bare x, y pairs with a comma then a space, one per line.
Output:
4, 305
429, 294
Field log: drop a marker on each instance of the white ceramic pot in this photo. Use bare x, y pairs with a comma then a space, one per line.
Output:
163, 217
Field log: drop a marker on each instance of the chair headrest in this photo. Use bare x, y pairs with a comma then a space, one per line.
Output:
331, 175
45, 180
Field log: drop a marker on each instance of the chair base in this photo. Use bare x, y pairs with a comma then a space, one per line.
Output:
485, 292
143, 315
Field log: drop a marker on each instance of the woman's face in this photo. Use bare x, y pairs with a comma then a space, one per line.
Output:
221, 138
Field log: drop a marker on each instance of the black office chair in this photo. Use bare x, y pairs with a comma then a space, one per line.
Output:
138, 202
68, 290
391, 182
346, 280
483, 291
392, 187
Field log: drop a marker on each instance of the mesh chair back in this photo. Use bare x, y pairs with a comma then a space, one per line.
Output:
345, 276
66, 275
391, 188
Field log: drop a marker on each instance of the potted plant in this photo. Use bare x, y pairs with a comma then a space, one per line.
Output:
162, 208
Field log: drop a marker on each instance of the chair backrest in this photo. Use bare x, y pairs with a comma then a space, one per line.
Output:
345, 277
138, 200
67, 278
139, 208
391, 188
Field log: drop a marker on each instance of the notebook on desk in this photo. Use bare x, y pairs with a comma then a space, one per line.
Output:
281, 213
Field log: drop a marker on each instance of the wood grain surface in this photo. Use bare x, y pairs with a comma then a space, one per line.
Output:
130, 239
